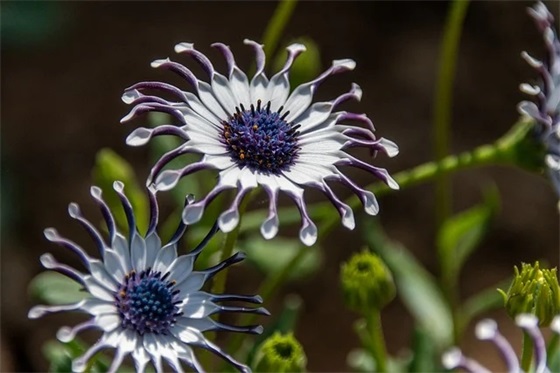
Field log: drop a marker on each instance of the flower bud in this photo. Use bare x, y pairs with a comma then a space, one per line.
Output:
535, 291
280, 353
367, 283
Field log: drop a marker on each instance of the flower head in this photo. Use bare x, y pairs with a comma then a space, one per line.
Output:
280, 353
487, 330
533, 290
146, 299
367, 283
546, 110
255, 133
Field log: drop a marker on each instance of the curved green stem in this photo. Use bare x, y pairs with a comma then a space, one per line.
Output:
526, 353
443, 101
277, 24
218, 286
269, 287
378, 350
497, 153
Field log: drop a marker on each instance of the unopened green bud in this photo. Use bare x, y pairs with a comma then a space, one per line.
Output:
367, 283
280, 353
533, 290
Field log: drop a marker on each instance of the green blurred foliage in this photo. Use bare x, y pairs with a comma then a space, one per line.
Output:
417, 288
55, 288
110, 167
461, 234
26, 23
271, 256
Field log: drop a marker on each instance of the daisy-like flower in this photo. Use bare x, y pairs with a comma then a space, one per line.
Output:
487, 330
144, 297
256, 133
546, 110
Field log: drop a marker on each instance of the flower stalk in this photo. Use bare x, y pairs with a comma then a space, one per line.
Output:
377, 345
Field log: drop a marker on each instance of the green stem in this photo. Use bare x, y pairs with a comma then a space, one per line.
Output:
498, 153
377, 345
277, 24
219, 284
443, 101
526, 353
269, 287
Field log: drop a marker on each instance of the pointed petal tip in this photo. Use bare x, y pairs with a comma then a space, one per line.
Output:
95, 191
345, 64
167, 180
65, 334
36, 312
357, 91
269, 228
74, 210
47, 260
183, 47
263, 311
129, 96
118, 186
296, 48
308, 234
228, 220
526, 320
251, 42
555, 324
157, 63
79, 365
451, 358
50, 234
139, 136
348, 220
486, 329
193, 213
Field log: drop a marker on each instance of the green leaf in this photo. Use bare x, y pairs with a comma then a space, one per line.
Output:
553, 352
59, 356
460, 235
271, 256
424, 353
54, 288
110, 167
415, 286
306, 67
482, 302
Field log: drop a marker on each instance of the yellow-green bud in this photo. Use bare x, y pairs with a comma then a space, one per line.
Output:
533, 290
280, 353
367, 284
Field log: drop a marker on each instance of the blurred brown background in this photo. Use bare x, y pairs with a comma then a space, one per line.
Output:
65, 65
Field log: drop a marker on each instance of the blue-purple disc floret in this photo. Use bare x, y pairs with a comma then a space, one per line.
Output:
260, 139
147, 302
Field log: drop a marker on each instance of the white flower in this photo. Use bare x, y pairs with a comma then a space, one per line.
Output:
546, 110
145, 298
256, 133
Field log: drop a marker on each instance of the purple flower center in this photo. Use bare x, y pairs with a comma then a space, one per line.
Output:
260, 139
147, 302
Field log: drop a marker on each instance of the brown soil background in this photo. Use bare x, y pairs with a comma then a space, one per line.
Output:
61, 103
